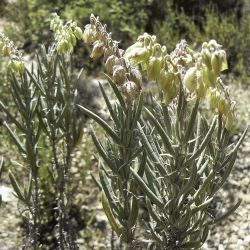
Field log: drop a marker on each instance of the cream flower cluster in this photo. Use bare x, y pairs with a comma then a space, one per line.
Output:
8, 49
198, 72
153, 58
66, 35
127, 77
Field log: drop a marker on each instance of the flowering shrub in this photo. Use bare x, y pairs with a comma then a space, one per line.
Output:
169, 150
176, 156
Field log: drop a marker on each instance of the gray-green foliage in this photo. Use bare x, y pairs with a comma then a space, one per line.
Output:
45, 99
120, 152
179, 163
177, 156
189, 161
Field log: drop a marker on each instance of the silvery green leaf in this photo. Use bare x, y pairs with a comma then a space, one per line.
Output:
161, 131
202, 145
102, 123
15, 138
103, 153
109, 106
191, 123
144, 187
16, 187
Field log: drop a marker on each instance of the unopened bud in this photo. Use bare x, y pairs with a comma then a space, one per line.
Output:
137, 54
206, 57
190, 79
98, 50
88, 34
165, 80
111, 62
172, 90
119, 75
136, 77
129, 90
230, 117
209, 77
72, 39
201, 90
78, 33
216, 63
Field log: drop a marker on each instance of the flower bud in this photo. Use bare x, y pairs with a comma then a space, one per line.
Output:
137, 54
136, 77
230, 117
206, 57
64, 46
72, 39
213, 45
154, 68
172, 91
119, 75
98, 50
201, 90
216, 63
78, 33
88, 34
129, 90
165, 80
209, 77
111, 62
223, 58
190, 79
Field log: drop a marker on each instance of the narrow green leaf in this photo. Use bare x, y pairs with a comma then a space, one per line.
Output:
227, 172
15, 138
102, 123
146, 189
110, 215
191, 123
152, 213
202, 206
202, 145
109, 106
241, 139
161, 131
16, 187
167, 119
11, 117
36, 82
205, 234
134, 209
102, 152
138, 110
107, 189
